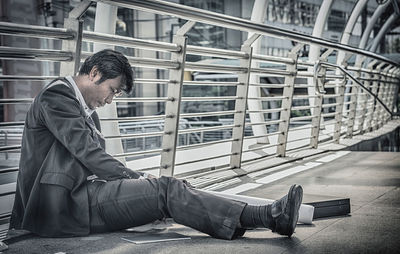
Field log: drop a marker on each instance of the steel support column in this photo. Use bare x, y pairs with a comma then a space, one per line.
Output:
257, 15
388, 94
348, 30
314, 54
364, 98
319, 82
172, 107
340, 100
288, 92
379, 110
394, 89
353, 105
74, 24
384, 29
371, 101
242, 91
372, 22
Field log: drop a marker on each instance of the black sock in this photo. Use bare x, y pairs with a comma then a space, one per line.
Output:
257, 217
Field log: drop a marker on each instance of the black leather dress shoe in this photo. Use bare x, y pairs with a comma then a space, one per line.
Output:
285, 211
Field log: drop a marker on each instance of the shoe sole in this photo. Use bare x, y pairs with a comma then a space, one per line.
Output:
295, 197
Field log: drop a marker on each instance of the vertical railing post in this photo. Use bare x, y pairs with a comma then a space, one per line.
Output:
316, 120
339, 104
385, 100
288, 91
395, 78
379, 109
75, 24
386, 114
319, 82
364, 101
393, 89
377, 106
6, 142
396, 94
389, 93
371, 100
339, 110
240, 105
172, 107
353, 103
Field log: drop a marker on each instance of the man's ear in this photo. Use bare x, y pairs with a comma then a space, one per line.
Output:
93, 73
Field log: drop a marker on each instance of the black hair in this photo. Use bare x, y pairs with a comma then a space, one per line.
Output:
110, 64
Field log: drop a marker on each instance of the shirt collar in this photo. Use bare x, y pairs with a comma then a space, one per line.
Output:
79, 96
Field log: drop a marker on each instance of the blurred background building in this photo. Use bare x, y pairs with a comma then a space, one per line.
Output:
290, 14
299, 16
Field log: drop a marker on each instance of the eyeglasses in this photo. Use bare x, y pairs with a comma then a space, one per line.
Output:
116, 92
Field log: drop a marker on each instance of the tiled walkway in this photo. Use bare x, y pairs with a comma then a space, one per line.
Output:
370, 179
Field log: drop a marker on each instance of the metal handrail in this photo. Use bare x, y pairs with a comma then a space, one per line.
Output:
334, 80
265, 123
134, 118
260, 148
16, 101
10, 148
203, 159
301, 118
269, 85
136, 135
141, 99
265, 111
212, 18
361, 85
216, 98
215, 113
35, 31
154, 151
212, 128
214, 67
128, 41
180, 148
265, 135
17, 123
26, 78
34, 54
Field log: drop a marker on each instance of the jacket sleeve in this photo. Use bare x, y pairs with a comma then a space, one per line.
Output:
60, 113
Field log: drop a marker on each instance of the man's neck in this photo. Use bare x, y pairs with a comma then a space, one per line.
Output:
81, 85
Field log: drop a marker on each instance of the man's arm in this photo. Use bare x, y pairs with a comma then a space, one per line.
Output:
60, 113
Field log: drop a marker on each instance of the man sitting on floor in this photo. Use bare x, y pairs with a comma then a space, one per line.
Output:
69, 186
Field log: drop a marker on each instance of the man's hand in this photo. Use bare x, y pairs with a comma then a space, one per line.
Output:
151, 176
188, 184
147, 176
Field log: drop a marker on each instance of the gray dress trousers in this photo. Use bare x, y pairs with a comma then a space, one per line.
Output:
125, 203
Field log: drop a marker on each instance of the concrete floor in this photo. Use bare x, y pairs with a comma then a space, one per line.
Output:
370, 179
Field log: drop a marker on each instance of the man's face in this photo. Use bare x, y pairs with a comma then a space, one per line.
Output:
99, 94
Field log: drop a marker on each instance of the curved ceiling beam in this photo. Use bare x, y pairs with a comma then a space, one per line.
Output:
359, 7
385, 28
314, 53
257, 15
378, 12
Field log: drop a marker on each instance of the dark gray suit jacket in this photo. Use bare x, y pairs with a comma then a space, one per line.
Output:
59, 151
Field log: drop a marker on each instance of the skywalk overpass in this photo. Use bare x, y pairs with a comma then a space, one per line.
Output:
337, 99
369, 179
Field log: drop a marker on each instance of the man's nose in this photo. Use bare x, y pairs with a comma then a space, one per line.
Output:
109, 99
